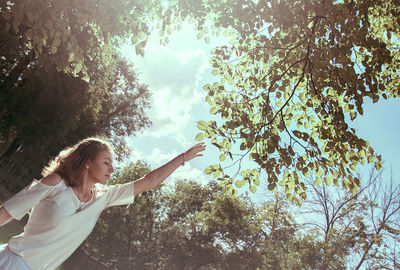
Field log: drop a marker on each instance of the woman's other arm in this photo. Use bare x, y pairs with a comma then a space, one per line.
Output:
5, 217
50, 180
154, 178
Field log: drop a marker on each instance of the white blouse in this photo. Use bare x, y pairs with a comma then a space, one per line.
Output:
58, 222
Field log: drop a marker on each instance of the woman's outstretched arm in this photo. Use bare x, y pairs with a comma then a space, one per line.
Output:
154, 178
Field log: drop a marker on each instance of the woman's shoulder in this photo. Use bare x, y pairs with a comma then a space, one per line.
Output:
52, 179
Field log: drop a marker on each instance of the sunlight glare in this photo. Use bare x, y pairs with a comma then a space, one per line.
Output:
164, 4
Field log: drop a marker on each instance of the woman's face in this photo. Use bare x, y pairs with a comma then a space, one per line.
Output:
100, 169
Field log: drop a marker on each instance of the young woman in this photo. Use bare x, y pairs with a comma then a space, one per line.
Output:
67, 202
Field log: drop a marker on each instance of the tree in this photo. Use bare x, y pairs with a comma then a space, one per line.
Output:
235, 226
293, 75
188, 226
49, 110
362, 227
279, 229
379, 248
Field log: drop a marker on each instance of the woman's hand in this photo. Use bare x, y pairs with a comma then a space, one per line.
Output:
194, 151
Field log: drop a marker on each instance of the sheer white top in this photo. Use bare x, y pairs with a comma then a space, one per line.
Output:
55, 228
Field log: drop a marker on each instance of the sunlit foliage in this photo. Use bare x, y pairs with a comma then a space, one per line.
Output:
293, 76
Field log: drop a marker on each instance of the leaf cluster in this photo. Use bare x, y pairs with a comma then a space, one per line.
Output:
293, 75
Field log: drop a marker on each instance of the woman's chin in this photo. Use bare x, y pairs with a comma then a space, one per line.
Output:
103, 182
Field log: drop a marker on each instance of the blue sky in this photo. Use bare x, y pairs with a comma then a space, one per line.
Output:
176, 73
380, 125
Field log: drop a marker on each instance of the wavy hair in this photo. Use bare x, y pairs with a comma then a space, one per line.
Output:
70, 162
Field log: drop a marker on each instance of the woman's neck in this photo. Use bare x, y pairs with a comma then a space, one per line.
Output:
85, 190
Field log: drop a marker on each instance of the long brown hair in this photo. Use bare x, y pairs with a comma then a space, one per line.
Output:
70, 162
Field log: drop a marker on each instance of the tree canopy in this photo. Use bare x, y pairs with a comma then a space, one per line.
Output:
293, 76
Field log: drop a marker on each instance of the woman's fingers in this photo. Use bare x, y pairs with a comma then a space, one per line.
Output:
195, 150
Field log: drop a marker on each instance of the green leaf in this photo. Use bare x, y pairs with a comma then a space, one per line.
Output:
239, 184
213, 110
271, 186
297, 133
199, 137
353, 115
209, 170
56, 42
282, 183
139, 49
318, 181
77, 66
71, 57
299, 201
215, 72
141, 35
357, 181
222, 157
253, 189
353, 167
202, 125
378, 165
328, 180
242, 146
229, 78
53, 50
229, 33
86, 78
371, 159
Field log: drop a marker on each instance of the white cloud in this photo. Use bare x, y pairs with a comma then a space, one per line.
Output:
173, 76
158, 158
189, 173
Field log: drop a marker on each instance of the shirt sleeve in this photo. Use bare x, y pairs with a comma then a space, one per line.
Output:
120, 194
19, 204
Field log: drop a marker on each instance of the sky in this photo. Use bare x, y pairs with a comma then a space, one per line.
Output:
176, 74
